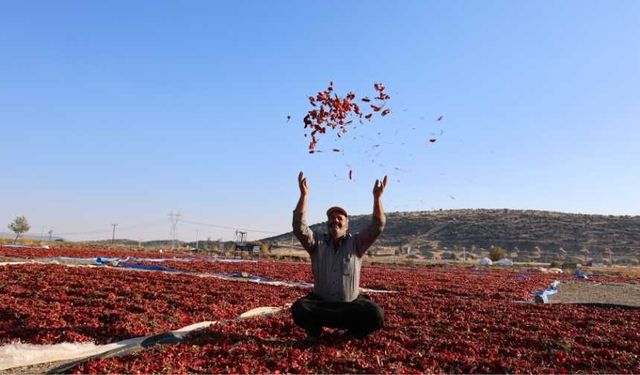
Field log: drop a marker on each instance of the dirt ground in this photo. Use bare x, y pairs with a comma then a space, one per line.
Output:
590, 292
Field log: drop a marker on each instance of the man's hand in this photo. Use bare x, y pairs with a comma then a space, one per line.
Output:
378, 187
368, 236
300, 228
302, 183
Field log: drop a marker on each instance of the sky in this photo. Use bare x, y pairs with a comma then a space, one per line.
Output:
122, 112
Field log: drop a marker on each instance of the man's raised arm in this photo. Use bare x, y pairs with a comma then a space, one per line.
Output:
369, 235
300, 228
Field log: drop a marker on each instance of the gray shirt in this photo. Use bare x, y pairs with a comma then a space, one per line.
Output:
336, 272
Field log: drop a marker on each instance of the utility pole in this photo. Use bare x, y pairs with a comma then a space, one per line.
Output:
196, 240
50, 234
174, 218
113, 236
241, 236
42, 234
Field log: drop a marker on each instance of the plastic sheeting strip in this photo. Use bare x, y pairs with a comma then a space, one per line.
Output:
543, 296
581, 275
291, 284
222, 276
20, 355
224, 260
111, 260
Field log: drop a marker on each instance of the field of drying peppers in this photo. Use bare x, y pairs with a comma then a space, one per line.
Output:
440, 319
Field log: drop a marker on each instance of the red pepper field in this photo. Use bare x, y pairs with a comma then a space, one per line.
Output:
442, 319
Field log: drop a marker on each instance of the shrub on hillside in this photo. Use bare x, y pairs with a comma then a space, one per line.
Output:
497, 253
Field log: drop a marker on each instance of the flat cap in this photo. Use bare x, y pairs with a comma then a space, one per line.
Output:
337, 209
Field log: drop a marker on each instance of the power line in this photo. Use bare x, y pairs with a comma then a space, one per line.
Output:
96, 231
174, 219
128, 227
224, 227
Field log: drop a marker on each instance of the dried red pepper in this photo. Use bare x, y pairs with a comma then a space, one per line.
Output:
335, 112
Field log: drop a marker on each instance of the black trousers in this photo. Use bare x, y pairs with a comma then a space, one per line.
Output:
360, 317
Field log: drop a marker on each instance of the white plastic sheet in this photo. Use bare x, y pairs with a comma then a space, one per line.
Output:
20, 355
504, 262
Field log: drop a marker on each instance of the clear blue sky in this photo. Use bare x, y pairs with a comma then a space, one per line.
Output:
121, 112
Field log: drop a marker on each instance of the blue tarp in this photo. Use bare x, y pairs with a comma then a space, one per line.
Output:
147, 267
110, 261
116, 261
186, 260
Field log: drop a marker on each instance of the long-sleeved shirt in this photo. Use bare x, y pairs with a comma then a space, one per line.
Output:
336, 272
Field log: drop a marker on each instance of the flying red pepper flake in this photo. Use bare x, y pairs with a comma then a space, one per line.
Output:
350, 174
433, 140
335, 112
336, 150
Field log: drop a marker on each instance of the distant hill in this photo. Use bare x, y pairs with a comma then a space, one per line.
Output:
133, 243
528, 234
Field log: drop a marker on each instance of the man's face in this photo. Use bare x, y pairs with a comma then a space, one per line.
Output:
337, 224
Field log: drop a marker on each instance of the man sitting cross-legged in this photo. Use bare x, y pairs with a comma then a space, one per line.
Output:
336, 259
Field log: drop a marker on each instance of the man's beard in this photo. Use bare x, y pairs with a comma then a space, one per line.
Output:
337, 232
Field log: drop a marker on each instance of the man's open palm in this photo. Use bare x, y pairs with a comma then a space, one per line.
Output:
302, 183
378, 187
